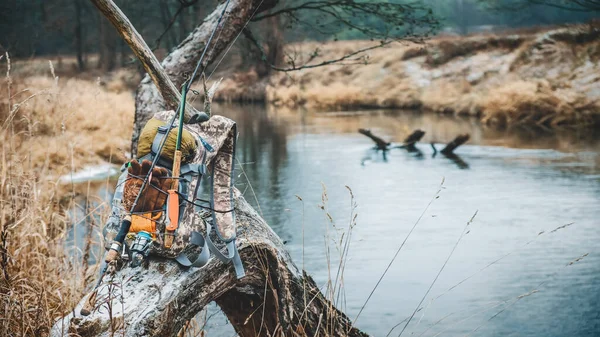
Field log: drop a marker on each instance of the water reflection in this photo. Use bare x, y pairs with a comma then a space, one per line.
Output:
264, 131
456, 159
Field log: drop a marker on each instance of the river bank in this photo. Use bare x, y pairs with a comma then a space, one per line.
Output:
547, 77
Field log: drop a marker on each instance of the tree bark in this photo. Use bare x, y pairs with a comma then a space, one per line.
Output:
180, 63
274, 47
274, 299
166, 17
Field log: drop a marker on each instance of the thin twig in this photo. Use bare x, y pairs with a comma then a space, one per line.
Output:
436, 196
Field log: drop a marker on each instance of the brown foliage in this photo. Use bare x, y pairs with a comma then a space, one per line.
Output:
48, 127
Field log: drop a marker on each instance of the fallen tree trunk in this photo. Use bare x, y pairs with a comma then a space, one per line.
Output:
274, 299
159, 299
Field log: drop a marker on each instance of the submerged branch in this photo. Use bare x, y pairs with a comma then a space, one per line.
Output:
381, 144
458, 141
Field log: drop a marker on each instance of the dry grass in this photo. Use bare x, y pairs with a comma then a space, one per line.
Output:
48, 126
66, 121
530, 101
546, 77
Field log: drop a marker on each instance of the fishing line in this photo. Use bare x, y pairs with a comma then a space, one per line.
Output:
210, 54
207, 45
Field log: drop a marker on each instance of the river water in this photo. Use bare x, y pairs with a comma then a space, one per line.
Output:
520, 183
512, 271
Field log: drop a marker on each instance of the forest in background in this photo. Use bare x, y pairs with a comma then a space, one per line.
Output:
73, 27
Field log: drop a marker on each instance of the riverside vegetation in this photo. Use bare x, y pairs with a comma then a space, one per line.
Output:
54, 122
49, 126
545, 76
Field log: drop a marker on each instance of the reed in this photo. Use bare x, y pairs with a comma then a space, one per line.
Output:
50, 127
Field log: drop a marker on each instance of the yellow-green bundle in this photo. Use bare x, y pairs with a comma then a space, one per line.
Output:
188, 142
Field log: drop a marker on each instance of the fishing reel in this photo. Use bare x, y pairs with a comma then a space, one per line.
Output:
140, 248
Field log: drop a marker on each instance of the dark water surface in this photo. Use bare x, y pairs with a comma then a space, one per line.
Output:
521, 182
513, 281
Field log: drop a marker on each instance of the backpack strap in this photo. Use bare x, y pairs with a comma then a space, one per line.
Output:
208, 246
196, 240
161, 133
222, 184
232, 256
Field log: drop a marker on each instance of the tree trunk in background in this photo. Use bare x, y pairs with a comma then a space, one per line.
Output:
43, 16
274, 41
101, 29
182, 61
461, 17
107, 47
183, 30
79, 35
166, 18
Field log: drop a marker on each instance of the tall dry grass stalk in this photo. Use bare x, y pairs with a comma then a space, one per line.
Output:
49, 127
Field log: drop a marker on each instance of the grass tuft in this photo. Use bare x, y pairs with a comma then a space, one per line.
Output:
49, 127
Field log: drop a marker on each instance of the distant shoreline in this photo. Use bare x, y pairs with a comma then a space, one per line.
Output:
549, 78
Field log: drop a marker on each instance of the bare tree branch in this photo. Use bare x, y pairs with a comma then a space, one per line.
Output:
167, 89
182, 6
363, 59
390, 17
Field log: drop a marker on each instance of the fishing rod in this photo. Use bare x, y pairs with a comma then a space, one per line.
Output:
126, 223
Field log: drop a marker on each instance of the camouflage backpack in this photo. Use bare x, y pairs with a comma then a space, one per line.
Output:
212, 158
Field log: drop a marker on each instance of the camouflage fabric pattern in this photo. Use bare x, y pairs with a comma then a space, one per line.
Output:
220, 133
190, 221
